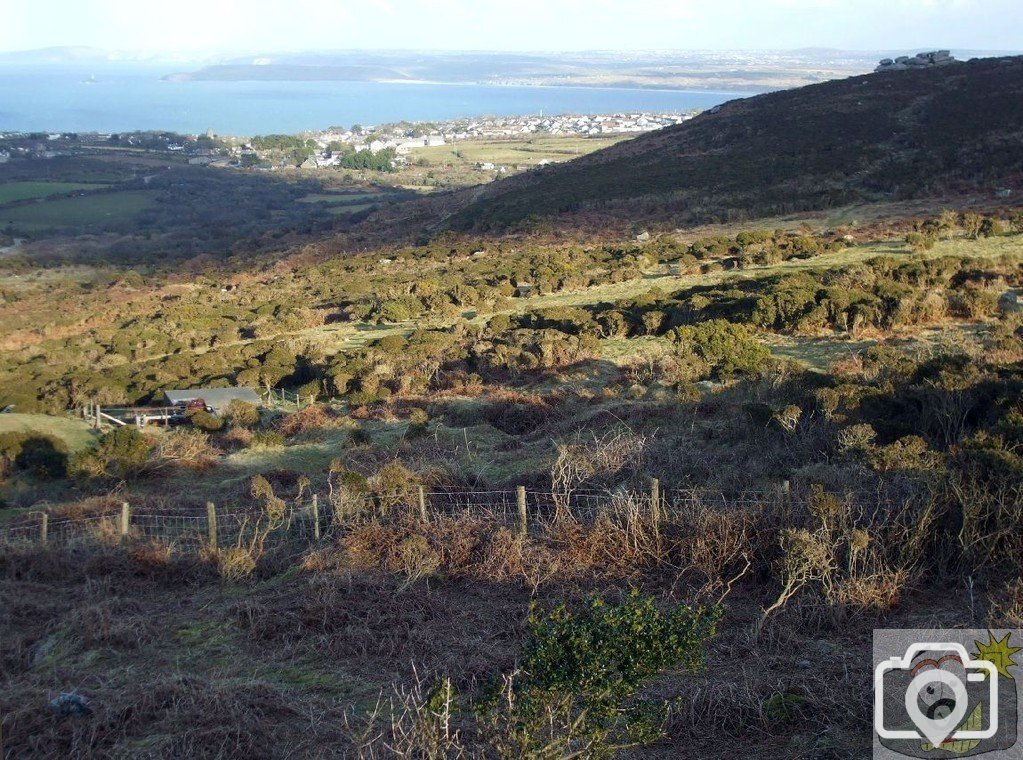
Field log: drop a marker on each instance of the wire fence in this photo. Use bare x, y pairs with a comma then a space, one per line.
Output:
317, 516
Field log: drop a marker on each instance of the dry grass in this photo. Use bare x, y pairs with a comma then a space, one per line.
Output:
291, 656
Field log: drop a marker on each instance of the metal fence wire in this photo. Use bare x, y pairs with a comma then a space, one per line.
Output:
318, 516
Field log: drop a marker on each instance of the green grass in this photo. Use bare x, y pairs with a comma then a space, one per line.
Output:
342, 198
20, 191
73, 432
353, 209
512, 151
76, 212
820, 353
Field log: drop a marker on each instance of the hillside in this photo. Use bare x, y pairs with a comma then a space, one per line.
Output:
883, 136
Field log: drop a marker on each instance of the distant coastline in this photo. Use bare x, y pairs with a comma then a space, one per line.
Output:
56, 99
262, 74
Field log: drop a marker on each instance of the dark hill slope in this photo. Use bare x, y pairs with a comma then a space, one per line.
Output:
893, 135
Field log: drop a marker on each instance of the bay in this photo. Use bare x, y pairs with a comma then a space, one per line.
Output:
96, 99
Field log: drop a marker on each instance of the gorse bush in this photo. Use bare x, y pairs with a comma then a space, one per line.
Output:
242, 414
206, 421
574, 694
121, 453
725, 349
606, 651
583, 669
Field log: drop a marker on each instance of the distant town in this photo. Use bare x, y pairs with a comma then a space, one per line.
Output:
403, 138
390, 145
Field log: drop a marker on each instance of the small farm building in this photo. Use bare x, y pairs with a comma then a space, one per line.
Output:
215, 398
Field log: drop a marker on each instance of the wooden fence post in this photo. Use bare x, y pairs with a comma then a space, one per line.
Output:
44, 528
422, 504
125, 519
520, 498
99, 421
316, 517
655, 501
211, 521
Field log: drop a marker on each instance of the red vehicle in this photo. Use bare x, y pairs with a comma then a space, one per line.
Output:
197, 405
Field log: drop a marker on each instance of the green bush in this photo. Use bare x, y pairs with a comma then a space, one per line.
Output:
267, 439
242, 414
728, 349
597, 658
121, 453
210, 423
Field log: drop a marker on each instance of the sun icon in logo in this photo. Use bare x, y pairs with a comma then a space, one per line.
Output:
998, 652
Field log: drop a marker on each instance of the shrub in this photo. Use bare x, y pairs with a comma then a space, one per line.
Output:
591, 663
500, 323
242, 414
203, 420
727, 348
992, 227
392, 344
393, 485
267, 439
311, 419
121, 453
238, 437
417, 421
918, 242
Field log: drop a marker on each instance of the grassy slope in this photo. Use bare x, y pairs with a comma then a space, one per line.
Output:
908, 134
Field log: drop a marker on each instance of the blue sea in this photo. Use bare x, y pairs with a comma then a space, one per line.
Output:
75, 99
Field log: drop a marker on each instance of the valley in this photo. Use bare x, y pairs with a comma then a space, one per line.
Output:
625, 456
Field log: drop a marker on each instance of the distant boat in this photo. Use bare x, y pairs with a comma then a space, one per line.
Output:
91, 80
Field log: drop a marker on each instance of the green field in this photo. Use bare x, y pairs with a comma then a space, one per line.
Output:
73, 432
514, 151
342, 198
21, 191
75, 212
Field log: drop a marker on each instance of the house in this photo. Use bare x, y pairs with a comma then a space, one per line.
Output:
215, 398
524, 289
1003, 193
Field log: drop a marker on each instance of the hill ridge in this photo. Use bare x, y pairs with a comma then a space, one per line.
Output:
884, 136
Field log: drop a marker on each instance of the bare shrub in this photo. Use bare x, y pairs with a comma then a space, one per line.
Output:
237, 562
418, 721
595, 461
186, 448
311, 419
238, 437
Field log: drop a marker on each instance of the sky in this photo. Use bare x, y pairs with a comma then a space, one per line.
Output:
209, 27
